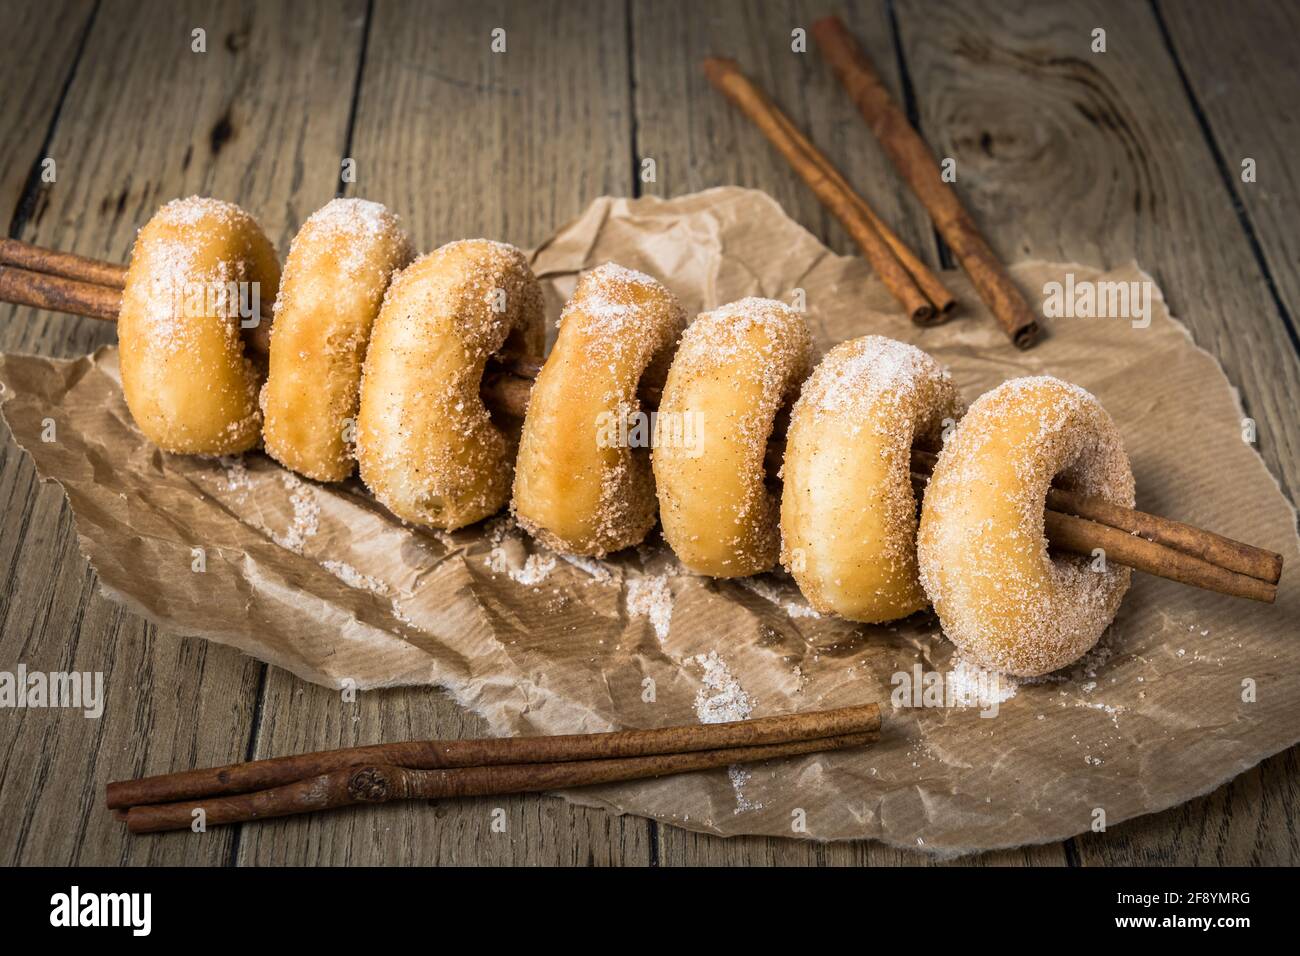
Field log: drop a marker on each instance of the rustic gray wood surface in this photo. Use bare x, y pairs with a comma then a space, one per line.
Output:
1135, 153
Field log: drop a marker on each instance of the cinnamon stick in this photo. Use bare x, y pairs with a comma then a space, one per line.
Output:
507, 385
1214, 548
1217, 550
1075, 535
1081, 536
447, 754
58, 294
943, 301
384, 783
76, 297
915, 162
34, 258
726, 76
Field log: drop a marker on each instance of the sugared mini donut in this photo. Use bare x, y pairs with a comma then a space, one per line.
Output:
848, 511
198, 267
427, 447
582, 482
333, 284
734, 370
1001, 598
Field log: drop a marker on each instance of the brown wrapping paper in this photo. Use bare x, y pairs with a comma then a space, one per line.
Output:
1186, 690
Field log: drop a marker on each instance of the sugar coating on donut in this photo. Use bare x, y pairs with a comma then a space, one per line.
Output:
356, 225
612, 310
334, 280
194, 265
173, 267
426, 443
1001, 597
498, 274
735, 368
192, 210
849, 508
573, 494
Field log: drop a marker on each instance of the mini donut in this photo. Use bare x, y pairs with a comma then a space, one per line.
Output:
188, 382
735, 368
1001, 598
579, 488
427, 446
333, 284
848, 511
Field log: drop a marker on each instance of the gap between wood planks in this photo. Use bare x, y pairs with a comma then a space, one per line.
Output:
652, 825
1229, 184
946, 260
27, 198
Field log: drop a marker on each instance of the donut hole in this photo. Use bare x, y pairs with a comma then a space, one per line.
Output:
1069, 477
774, 454
923, 454
516, 350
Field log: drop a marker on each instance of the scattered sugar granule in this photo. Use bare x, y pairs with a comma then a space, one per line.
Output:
236, 473
969, 685
509, 555
306, 514
769, 592
728, 701
400, 615
650, 597
589, 566
739, 777
354, 578
535, 569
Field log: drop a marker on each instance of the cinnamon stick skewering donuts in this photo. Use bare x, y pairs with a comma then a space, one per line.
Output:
848, 511
735, 368
333, 284
981, 548
583, 483
427, 446
1076, 523
200, 269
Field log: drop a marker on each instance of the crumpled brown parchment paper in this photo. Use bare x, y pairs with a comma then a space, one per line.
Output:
1186, 690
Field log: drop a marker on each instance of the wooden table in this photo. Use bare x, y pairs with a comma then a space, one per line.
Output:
1134, 153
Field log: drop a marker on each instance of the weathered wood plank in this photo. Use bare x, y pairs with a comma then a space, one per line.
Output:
145, 120
38, 49
463, 142
1066, 154
525, 830
1244, 79
698, 140
1248, 822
